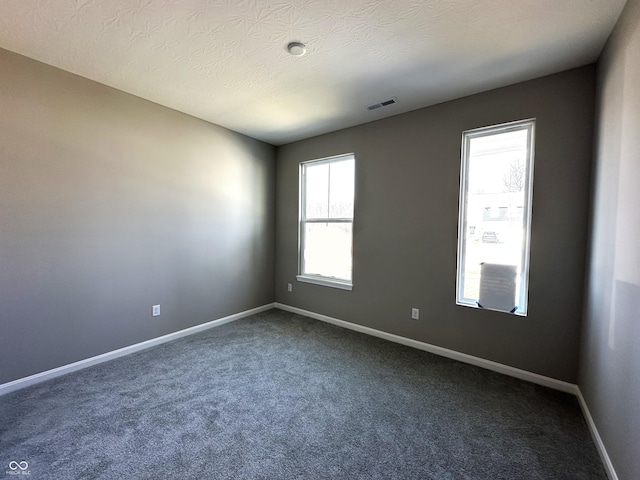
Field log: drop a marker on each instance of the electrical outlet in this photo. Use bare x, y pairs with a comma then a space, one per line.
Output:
155, 311
289, 287
415, 313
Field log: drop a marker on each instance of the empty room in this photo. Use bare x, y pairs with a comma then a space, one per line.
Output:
320, 239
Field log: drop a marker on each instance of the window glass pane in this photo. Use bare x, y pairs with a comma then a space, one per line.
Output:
327, 250
495, 208
327, 190
341, 189
317, 190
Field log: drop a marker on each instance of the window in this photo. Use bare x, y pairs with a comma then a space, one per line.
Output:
495, 216
326, 221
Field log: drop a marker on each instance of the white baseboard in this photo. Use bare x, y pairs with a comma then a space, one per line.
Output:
479, 362
72, 367
602, 451
444, 352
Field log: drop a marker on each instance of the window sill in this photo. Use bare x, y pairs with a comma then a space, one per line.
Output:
475, 305
325, 282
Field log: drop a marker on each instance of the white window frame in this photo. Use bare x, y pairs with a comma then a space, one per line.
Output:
302, 221
529, 125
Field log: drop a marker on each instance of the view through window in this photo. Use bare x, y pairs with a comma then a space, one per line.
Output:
495, 208
326, 221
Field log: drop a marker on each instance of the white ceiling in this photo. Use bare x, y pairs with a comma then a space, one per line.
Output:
225, 61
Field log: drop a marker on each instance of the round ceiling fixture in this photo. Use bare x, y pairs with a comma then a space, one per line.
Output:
297, 49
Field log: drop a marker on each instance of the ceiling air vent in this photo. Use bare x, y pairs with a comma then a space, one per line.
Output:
385, 103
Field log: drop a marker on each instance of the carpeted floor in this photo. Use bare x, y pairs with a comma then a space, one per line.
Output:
280, 396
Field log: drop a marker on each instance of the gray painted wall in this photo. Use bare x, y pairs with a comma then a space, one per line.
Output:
610, 357
405, 233
110, 204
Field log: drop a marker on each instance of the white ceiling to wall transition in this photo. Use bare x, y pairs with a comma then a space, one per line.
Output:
225, 61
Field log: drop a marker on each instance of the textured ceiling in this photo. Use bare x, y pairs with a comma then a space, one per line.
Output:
226, 61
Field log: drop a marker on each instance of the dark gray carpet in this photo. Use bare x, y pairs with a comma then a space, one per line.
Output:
278, 395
